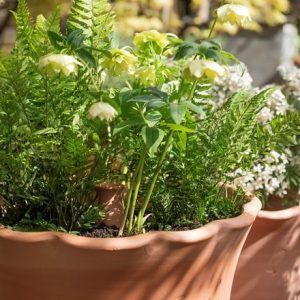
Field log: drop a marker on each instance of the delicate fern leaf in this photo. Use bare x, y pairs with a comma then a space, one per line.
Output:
42, 27
53, 22
24, 28
94, 17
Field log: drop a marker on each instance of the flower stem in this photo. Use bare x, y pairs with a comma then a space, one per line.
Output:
136, 189
215, 21
152, 182
212, 27
129, 196
191, 95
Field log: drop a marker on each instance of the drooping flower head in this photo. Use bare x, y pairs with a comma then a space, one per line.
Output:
59, 63
234, 14
103, 111
203, 69
120, 61
152, 37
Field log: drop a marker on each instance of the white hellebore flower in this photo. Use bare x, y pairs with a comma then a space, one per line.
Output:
234, 14
102, 110
59, 63
201, 69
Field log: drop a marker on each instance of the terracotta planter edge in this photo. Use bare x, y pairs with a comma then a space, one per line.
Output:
283, 214
250, 211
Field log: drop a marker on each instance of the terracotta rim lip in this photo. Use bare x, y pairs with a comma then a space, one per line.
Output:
247, 217
283, 214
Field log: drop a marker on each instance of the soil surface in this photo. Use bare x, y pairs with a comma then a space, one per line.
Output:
103, 231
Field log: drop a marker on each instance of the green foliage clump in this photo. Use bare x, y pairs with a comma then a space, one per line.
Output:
74, 111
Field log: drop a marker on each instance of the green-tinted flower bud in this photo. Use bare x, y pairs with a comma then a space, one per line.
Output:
153, 38
121, 61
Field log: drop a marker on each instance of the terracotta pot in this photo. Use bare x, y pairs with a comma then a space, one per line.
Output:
110, 196
269, 265
297, 60
195, 264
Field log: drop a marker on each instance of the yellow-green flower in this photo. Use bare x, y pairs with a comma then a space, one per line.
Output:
203, 69
158, 40
103, 111
234, 14
59, 63
119, 62
146, 75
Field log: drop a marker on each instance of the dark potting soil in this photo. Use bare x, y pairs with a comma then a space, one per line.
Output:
103, 231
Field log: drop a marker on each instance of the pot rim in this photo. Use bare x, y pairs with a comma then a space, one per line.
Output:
283, 214
206, 232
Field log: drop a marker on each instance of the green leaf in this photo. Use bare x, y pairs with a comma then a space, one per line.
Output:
193, 107
229, 57
46, 131
127, 124
87, 57
182, 140
186, 49
152, 137
76, 38
177, 127
177, 112
156, 104
152, 118
56, 40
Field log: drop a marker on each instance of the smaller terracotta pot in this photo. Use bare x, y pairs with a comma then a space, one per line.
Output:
297, 61
110, 196
269, 265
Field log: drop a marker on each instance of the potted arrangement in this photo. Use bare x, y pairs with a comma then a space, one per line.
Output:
269, 262
79, 115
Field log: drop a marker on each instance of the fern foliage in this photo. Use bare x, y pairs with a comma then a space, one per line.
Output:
93, 17
24, 27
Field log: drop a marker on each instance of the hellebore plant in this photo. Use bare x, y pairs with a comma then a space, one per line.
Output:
76, 111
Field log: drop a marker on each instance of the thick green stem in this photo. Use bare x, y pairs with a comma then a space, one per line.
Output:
136, 189
212, 27
128, 197
153, 182
191, 95
215, 21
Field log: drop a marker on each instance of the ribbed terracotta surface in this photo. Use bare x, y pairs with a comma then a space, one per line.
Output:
195, 264
269, 265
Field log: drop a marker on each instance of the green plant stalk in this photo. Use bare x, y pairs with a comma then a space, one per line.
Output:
136, 190
152, 182
191, 95
214, 23
128, 198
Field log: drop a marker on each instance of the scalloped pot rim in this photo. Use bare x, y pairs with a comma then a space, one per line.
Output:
203, 233
283, 214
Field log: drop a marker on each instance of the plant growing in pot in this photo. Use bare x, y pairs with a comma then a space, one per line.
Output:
75, 112
274, 240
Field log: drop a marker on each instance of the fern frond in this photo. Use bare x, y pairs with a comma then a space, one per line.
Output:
40, 34
282, 132
94, 17
24, 28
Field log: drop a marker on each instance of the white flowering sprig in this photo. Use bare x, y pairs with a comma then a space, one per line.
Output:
268, 175
276, 105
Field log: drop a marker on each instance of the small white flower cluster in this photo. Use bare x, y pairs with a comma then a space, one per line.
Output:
292, 77
236, 78
276, 105
268, 175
